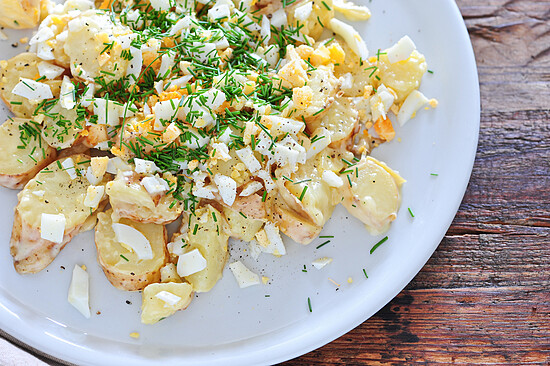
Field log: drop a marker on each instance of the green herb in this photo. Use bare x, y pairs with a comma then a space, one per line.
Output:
123, 257
378, 244
309, 300
323, 244
365, 273
410, 211
303, 193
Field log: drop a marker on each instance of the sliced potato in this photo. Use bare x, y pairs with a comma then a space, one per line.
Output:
242, 228
19, 14
296, 227
85, 47
402, 77
52, 191
19, 165
324, 86
131, 200
340, 120
154, 308
312, 197
24, 65
210, 237
121, 265
61, 127
374, 196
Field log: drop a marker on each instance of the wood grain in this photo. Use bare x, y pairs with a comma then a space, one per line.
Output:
483, 298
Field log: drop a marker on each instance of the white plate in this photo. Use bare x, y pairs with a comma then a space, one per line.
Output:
233, 326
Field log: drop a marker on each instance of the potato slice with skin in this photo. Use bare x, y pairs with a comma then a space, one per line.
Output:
131, 200
19, 14
18, 166
24, 65
52, 191
374, 196
154, 309
121, 265
210, 237
308, 194
290, 223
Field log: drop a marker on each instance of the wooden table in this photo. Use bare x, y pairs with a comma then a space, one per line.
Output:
484, 296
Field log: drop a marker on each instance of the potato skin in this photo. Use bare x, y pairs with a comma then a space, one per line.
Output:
126, 279
9, 153
30, 252
60, 195
24, 65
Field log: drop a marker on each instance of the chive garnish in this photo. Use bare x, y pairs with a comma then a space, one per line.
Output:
378, 244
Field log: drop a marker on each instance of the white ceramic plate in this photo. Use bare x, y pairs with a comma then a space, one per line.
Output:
234, 326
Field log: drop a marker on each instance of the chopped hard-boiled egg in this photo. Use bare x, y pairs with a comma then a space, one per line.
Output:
52, 227
133, 239
227, 188
79, 291
67, 98
321, 262
50, 71
350, 10
191, 262
351, 36
168, 297
68, 166
401, 50
332, 179
411, 105
94, 196
145, 166
32, 90
154, 185
243, 275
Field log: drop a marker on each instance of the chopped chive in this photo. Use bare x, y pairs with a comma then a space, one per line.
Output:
214, 216
195, 229
410, 211
309, 300
378, 244
320, 245
365, 273
303, 193
267, 295
326, 236
430, 71
126, 259
434, 174
264, 196
243, 215
319, 112
326, 6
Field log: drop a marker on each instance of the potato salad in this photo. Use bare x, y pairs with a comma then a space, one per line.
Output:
244, 119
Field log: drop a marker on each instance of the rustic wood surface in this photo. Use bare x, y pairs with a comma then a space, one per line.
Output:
484, 296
